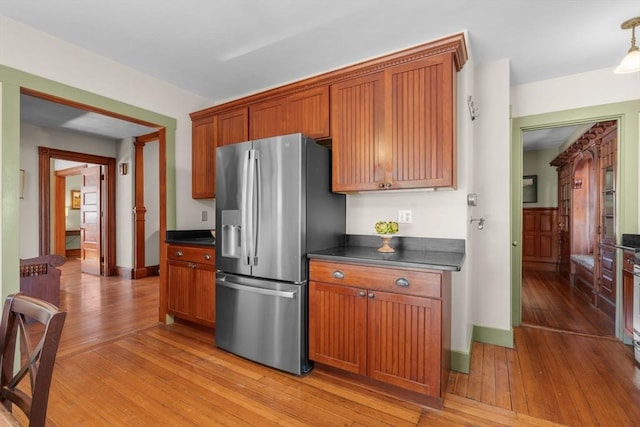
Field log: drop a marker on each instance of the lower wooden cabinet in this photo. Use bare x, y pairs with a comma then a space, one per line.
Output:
606, 291
389, 325
627, 292
191, 283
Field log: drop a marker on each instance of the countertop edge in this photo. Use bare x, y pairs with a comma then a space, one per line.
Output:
391, 263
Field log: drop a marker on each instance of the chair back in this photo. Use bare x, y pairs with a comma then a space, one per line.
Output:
39, 326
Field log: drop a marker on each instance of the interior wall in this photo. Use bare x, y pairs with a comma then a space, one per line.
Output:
491, 248
536, 162
72, 216
124, 205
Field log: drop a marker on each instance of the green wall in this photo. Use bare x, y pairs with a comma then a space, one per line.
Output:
12, 81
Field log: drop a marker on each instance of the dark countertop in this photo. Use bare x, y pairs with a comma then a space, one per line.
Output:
411, 252
630, 242
190, 237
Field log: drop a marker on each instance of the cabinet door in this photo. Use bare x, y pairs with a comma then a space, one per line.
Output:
179, 279
204, 298
308, 112
267, 119
357, 114
231, 126
404, 346
420, 124
337, 326
203, 159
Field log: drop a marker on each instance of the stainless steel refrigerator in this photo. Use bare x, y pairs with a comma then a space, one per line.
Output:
273, 205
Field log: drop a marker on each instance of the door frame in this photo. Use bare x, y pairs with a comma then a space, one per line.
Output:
60, 190
627, 114
108, 228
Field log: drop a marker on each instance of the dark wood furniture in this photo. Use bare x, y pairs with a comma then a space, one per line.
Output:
388, 327
28, 317
191, 283
391, 120
39, 277
587, 212
606, 296
540, 238
564, 220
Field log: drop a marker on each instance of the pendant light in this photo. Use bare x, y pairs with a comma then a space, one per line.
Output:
631, 62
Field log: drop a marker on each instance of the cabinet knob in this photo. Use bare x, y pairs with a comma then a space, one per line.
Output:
381, 185
338, 274
388, 185
207, 257
371, 295
402, 282
362, 294
179, 253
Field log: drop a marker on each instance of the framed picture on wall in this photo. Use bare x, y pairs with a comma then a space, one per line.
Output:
530, 189
75, 199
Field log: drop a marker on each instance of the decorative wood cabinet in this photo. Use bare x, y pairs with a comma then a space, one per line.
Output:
587, 212
396, 128
564, 220
606, 295
606, 291
207, 133
540, 238
191, 283
391, 120
390, 325
627, 293
304, 112
203, 155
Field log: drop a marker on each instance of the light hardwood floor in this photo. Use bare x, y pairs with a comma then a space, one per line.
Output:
117, 366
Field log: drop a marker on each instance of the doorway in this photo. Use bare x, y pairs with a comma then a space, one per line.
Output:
97, 253
559, 220
88, 120
626, 114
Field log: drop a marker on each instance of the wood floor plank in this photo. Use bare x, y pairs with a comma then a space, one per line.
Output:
118, 366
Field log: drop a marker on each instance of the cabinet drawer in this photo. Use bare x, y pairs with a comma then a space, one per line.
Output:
627, 261
198, 254
396, 280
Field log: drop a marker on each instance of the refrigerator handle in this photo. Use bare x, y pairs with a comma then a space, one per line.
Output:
250, 210
243, 208
258, 201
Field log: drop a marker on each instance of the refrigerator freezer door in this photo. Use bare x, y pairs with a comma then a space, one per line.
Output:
263, 321
281, 208
230, 220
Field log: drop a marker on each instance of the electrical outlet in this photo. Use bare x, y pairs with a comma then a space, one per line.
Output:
205, 216
404, 217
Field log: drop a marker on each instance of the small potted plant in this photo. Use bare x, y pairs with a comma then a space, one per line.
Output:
386, 230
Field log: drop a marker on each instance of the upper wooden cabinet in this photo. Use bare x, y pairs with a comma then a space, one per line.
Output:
207, 133
391, 119
356, 127
304, 112
231, 127
396, 128
203, 159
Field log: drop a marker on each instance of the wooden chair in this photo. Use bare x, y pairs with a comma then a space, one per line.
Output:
39, 325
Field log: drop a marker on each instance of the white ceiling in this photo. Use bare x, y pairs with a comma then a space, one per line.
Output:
223, 49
